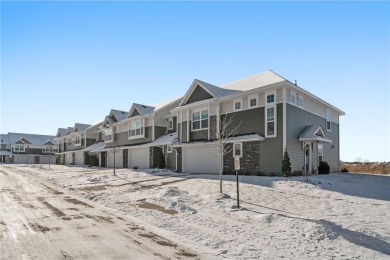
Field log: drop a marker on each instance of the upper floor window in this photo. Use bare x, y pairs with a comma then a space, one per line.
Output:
69, 141
170, 123
19, 148
136, 128
270, 122
301, 101
237, 105
270, 97
253, 101
200, 120
77, 140
328, 117
108, 135
237, 149
293, 98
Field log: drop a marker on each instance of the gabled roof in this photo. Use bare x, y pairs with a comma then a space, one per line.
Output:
29, 138
314, 133
48, 142
4, 139
118, 114
61, 132
80, 127
167, 139
214, 91
255, 81
69, 130
108, 120
142, 109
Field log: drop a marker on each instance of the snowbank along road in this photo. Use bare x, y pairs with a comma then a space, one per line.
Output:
39, 221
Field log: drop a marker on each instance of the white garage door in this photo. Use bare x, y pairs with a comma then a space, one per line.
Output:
118, 158
68, 158
139, 157
79, 158
200, 160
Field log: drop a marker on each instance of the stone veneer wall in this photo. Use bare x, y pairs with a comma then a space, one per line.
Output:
249, 162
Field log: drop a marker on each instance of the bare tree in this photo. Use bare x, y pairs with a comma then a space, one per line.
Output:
223, 129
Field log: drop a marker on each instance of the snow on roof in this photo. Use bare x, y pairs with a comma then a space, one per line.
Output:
217, 91
32, 138
244, 138
255, 81
143, 109
166, 139
119, 115
314, 132
162, 104
81, 127
5, 153
95, 147
49, 142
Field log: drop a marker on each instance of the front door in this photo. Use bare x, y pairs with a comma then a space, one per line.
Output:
307, 158
103, 159
73, 159
36, 159
125, 158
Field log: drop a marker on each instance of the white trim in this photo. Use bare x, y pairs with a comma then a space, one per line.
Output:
200, 110
293, 94
274, 120
268, 93
208, 123
328, 119
153, 133
234, 104
169, 151
189, 92
188, 125
318, 153
241, 150
300, 97
181, 126
170, 120
284, 119
317, 138
253, 97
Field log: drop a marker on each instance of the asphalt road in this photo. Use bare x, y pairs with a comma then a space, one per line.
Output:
40, 221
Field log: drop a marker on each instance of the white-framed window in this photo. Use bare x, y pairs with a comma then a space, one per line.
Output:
270, 128
320, 149
48, 149
200, 120
77, 140
170, 123
252, 101
301, 101
237, 105
169, 149
136, 128
19, 148
69, 142
293, 98
108, 135
270, 97
237, 149
328, 118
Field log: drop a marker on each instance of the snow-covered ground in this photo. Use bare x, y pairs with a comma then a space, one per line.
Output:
336, 216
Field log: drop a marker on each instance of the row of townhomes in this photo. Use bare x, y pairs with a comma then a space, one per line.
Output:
27, 148
255, 118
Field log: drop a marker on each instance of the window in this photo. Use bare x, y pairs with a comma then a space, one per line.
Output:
328, 117
293, 97
200, 120
108, 135
136, 128
237, 149
253, 101
320, 153
77, 141
169, 149
170, 123
270, 127
69, 141
19, 148
237, 105
301, 101
270, 98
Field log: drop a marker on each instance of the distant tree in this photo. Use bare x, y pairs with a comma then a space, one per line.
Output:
286, 164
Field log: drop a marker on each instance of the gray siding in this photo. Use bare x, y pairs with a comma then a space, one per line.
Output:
200, 135
90, 141
135, 113
122, 139
179, 132
271, 149
297, 121
213, 126
184, 134
249, 121
159, 131
197, 95
170, 159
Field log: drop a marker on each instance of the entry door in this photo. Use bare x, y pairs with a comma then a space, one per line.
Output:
307, 158
125, 158
73, 159
36, 159
103, 159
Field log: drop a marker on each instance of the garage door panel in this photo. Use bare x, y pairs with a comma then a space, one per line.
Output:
79, 158
139, 157
200, 160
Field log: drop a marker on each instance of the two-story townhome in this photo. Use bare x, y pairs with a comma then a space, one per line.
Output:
28, 148
263, 114
132, 136
73, 141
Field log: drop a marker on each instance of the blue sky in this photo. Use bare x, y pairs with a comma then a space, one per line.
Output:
67, 62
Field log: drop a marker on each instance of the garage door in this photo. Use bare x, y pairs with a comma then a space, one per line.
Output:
79, 158
68, 158
118, 158
139, 157
200, 160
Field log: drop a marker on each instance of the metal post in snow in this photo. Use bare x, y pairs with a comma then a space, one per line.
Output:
237, 167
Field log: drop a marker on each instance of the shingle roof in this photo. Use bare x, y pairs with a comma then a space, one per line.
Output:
80, 127
4, 139
69, 130
119, 115
313, 133
61, 131
217, 91
32, 138
166, 139
144, 109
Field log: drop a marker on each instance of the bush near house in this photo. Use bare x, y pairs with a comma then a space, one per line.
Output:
323, 168
286, 164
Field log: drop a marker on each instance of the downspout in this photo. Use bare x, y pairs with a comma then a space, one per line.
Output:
284, 120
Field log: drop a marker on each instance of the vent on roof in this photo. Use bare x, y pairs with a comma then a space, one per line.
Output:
144, 106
